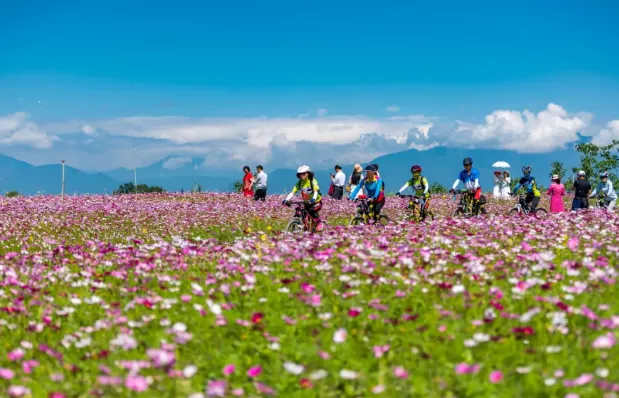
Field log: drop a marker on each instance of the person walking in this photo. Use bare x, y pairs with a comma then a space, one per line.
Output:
248, 192
556, 191
582, 188
338, 180
506, 187
354, 179
497, 179
260, 183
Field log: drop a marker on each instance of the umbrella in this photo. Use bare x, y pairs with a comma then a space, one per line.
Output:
502, 165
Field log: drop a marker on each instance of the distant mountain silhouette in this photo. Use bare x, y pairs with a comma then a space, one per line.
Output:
441, 164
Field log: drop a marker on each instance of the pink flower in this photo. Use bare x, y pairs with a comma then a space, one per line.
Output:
136, 383
315, 300
6, 374
263, 388
17, 391
216, 388
354, 312
257, 317
378, 389
29, 365
109, 380
16, 354
186, 298
465, 368
572, 243
307, 288
254, 372
606, 341
400, 372
56, 395
228, 370
496, 376
339, 336
161, 358
379, 350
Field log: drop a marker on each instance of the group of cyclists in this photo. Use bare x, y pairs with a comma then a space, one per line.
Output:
374, 187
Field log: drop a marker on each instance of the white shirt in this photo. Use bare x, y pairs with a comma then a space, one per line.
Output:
261, 180
339, 180
605, 189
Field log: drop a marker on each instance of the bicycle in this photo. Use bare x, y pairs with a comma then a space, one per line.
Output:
365, 213
599, 202
301, 221
522, 207
414, 212
465, 205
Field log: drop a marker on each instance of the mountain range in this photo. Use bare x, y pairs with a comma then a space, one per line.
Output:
441, 164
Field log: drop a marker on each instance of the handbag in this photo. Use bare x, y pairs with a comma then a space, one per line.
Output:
331, 188
348, 189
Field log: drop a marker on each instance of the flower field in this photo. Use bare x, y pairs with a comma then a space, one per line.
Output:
162, 295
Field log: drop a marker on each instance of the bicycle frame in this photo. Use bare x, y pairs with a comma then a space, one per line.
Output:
414, 204
301, 214
466, 201
365, 209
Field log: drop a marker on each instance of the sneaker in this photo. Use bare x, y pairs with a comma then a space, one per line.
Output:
319, 226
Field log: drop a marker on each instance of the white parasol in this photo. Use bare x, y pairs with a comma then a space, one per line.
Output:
501, 165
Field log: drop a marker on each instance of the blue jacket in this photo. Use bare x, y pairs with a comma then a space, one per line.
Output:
372, 187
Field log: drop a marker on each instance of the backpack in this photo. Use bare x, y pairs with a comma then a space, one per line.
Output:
311, 180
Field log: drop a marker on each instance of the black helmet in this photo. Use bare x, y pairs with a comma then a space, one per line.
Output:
467, 161
370, 167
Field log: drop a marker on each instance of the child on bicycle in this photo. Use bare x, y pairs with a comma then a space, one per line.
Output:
310, 192
421, 187
528, 183
605, 191
373, 186
470, 179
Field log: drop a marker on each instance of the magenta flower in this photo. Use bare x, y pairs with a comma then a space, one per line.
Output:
606, 341
16, 354
6, 374
464, 368
496, 376
228, 370
254, 372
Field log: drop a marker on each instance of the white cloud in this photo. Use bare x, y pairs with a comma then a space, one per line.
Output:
550, 129
16, 129
88, 130
607, 135
393, 108
177, 162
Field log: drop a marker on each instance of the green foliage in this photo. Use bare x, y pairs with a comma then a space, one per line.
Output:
557, 168
237, 186
12, 194
437, 188
597, 158
129, 187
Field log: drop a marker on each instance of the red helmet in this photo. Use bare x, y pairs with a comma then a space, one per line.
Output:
416, 169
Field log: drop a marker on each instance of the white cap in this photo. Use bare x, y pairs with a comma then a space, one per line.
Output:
581, 173
303, 169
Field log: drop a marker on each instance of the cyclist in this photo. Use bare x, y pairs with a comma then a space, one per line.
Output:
528, 183
470, 179
373, 187
421, 187
606, 191
310, 192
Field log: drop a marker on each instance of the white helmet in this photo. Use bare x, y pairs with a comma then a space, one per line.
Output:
303, 169
581, 173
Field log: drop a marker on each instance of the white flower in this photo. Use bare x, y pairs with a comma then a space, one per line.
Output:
470, 343
552, 349
189, 371
293, 368
348, 374
196, 287
325, 317
457, 289
215, 308
602, 372
482, 338
274, 346
179, 327
319, 374
339, 336
550, 382
523, 370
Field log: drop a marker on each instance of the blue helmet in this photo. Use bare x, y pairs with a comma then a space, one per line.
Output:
467, 161
604, 174
526, 170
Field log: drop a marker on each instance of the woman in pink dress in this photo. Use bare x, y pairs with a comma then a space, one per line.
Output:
556, 192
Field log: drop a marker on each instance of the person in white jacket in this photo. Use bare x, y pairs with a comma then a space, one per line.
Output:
605, 191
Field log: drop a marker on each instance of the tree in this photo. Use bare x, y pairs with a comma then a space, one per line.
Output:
12, 194
598, 158
437, 189
557, 168
237, 186
128, 188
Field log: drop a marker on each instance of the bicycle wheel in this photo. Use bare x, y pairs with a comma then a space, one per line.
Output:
483, 211
294, 227
429, 216
409, 216
459, 213
541, 212
513, 212
356, 221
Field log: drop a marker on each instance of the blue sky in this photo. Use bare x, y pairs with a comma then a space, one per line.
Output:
91, 61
